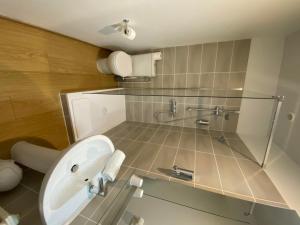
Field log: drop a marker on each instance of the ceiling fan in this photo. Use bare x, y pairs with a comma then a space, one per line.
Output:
122, 27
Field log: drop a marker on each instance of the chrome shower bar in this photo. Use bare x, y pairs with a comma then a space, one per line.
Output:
217, 110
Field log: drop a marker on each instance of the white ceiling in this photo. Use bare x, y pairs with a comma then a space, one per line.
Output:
158, 23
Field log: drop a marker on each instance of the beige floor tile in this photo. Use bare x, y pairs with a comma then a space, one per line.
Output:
146, 134
32, 179
231, 177
132, 150
185, 159
135, 133
24, 204
146, 157
172, 139
203, 143
165, 127
159, 136
206, 172
176, 128
239, 149
164, 161
9, 196
189, 130
188, 141
221, 148
79, 220
202, 132
231, 135
32, 218
215, 133
259, 182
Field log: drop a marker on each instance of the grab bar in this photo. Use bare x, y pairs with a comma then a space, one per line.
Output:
217, 110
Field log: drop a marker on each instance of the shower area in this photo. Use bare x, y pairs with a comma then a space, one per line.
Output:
192, 118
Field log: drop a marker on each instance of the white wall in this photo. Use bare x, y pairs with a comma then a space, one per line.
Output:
262, 77
284, 168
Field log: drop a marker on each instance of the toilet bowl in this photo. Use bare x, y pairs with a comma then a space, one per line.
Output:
118, 63
10, 175
67, 183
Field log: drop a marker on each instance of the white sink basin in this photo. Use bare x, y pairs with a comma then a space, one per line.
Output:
65, 192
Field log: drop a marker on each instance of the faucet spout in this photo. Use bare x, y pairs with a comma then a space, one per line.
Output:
100, 189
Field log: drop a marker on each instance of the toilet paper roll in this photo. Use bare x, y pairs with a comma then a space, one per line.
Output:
113, 165
136, 181
138, 193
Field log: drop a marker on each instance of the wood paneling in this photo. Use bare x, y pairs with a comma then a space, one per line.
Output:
35, 66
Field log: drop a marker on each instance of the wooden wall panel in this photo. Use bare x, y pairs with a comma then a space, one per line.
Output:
35, 66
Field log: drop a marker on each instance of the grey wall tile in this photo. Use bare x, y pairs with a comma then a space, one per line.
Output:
169, 60
158, 81
180, 81
193, 67
224, 56
148, 112
194, 59
240, 55
208, 57
221, 81
168, 81
206, 80
192, 81
236, 80
181, 58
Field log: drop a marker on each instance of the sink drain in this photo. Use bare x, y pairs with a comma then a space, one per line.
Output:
74, 168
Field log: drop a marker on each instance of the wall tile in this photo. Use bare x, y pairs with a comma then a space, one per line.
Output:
192, 81
224, 56
181, 58
169, 60
194, 59
236, 80
158, 81
168, 81
240, 55
208, 57
180, 81
147, 112
206, 80
221, 81
203, 66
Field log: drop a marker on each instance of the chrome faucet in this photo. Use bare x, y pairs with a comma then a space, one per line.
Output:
101, 189
173, 107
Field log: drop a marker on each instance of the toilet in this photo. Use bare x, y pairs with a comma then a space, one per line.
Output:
118, 63
10, 175
129, 66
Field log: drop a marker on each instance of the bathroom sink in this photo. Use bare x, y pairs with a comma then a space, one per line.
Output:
65, 189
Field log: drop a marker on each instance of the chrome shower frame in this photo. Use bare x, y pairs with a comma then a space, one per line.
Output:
276, 111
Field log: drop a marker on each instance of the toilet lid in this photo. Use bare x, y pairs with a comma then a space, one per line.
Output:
120, 63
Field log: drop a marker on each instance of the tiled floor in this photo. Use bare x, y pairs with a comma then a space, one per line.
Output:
227, 168
152, 150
